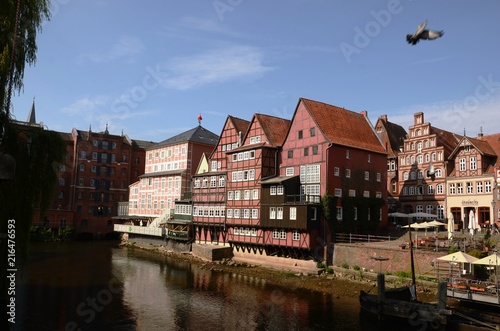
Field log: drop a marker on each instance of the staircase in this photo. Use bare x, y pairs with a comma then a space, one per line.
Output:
160, 219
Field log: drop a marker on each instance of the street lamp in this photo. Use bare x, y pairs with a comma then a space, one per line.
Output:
496, 273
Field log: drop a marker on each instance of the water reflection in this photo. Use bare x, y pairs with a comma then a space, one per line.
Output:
97, 286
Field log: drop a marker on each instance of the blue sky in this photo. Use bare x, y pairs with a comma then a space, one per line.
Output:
150, 67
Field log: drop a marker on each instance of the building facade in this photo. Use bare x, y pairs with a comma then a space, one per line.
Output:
392, 136
169, 167
424, 167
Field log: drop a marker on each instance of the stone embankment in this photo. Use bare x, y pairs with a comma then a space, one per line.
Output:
340, 282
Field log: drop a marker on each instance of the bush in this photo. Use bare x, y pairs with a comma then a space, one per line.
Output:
329, 270
355, 267
321, 265
345, 265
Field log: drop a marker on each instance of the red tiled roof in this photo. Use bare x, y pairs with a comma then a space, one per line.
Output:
494, 142
394, 135
240, 125
344, 127
448, 140
275, 128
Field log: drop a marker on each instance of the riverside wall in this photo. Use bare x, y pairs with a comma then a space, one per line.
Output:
363, 255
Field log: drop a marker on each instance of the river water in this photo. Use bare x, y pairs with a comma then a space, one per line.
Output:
99, 286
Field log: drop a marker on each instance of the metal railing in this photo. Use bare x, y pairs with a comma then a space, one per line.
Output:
145, 230
353, 237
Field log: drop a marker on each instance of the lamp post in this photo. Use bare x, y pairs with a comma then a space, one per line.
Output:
493, 218
496, 273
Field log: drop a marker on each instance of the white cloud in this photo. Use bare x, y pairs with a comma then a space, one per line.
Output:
470, 114
98, 110
125, 47
215, 66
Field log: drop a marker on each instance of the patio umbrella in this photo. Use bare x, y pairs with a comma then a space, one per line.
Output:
458, 257
491, 260
451, 226
472, 223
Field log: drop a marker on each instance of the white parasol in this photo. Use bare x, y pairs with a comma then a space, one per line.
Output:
451, 226
472, 222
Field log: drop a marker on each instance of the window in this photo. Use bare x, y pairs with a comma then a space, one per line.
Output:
355, 213
237, 195
61, 181
405, 175
272, 213
246, 213
338, 192
279, 213
367, 175
83, 154
293, 213
460, 189
222, 181
430, 189
479, 187
352, 193
295, 235
214, 166
440, 212
299, 134
315, 150
439, 189
429, 209
439, 173
412, 175
273, 190
290, 154
255, 140
310, 173
282, 234
255, 194
289, 171
462, 164
246, 195
306, 151
276, 234
369, 158
213, 181
348, 173
312, 132
379, 177
473, 163
336, 171
366, 194
339, 213
230, 195
347, 156
255, 213
229, 213
470, 188
236, 213
279, 190
487, 187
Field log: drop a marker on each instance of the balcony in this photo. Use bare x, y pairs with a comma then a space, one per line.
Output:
302, 199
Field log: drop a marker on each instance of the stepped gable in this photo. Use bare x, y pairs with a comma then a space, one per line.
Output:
344, 127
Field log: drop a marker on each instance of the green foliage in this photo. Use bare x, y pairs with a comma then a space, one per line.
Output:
32, 14
48, 234
403, 274
321, 265
345, 265
329, 270
37, 153
453, 249
355, 267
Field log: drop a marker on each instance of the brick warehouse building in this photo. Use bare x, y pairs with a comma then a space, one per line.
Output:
95, 177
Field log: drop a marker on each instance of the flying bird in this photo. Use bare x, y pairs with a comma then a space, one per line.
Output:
423, 33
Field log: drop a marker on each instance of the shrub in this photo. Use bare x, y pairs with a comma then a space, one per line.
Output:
355, 267
345, 265
329, 270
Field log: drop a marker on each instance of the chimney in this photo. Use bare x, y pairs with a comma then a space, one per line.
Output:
383, 117
364, 113
480, 134
418, 118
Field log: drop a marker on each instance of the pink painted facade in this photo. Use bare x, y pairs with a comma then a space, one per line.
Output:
209, 185
169, 167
